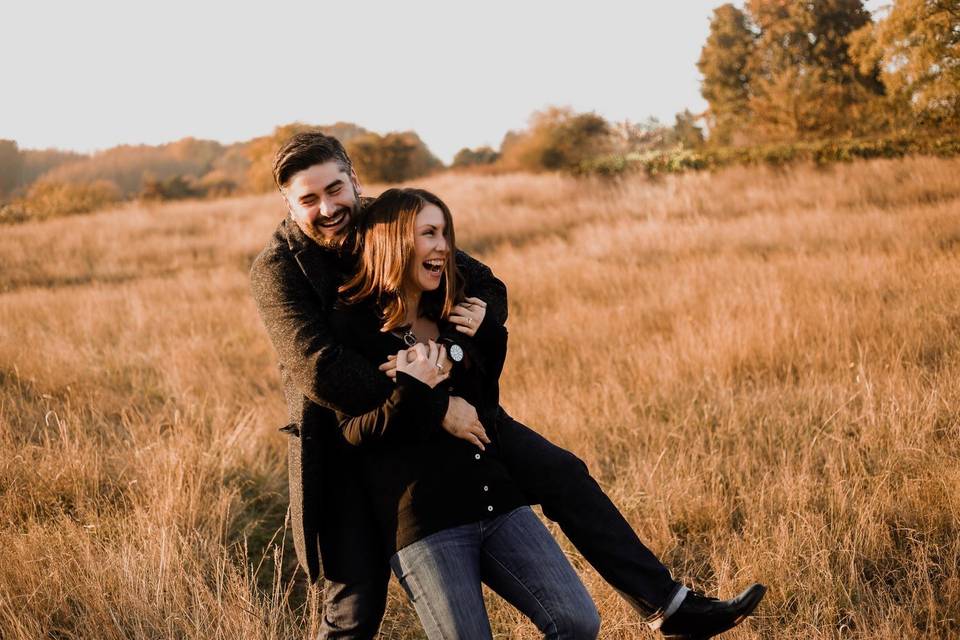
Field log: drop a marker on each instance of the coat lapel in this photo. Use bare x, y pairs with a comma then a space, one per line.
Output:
318, 264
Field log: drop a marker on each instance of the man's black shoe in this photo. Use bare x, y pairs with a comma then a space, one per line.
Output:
700, 617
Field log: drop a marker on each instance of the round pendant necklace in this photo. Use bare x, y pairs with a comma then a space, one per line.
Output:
409, 338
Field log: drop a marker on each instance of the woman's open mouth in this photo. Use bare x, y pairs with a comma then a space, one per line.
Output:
435, 266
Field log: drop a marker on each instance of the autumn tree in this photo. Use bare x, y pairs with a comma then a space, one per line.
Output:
804, 83
260, 152
917, 47
37, 162
557, 138
685, 132
394, 157
128, 166
724, 63
473, 157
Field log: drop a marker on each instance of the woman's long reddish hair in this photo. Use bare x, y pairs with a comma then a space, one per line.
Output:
385, 236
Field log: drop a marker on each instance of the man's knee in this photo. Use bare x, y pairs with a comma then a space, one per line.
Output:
353, 610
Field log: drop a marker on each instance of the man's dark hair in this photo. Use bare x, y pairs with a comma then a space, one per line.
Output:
304, 150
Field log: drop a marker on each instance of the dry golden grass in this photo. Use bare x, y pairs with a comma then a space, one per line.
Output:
760, 367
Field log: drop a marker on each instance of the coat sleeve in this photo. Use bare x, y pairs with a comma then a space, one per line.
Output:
481, 283
413, 411
296, 318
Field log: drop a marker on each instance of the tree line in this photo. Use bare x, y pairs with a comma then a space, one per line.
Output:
779, 71
36, 184
783, 79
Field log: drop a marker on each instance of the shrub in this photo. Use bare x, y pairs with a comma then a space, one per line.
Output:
557, 138
820, 153
47, 199
475, 157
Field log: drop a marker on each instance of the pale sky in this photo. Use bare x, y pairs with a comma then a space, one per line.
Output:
91, 75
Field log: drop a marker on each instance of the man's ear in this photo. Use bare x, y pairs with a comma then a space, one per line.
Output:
355, 180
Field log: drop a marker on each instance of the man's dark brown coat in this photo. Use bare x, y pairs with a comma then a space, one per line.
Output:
294, 282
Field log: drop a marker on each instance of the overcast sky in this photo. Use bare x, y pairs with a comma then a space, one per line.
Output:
90, 75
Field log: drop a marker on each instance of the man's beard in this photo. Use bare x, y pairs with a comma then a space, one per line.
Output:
337, 241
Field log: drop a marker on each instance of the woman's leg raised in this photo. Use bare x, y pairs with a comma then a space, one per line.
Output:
521, 561
441, 575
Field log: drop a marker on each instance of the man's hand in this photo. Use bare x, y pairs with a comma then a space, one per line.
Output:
468, 315
424, 362
390, 366
461, 421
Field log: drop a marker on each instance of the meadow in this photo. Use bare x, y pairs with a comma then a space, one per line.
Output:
760, 366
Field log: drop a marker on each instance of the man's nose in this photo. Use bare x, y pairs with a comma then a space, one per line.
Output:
326, 208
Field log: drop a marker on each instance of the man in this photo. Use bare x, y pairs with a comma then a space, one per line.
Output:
294, 282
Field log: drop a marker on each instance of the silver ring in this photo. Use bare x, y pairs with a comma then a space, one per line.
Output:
439, 368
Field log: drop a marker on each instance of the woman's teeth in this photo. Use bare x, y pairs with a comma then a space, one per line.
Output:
433, 266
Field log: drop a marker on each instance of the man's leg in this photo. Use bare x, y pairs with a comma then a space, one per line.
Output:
355, 567
354, 610
568, 494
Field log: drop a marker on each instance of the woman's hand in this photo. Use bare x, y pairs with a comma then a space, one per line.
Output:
468, 315
426, 362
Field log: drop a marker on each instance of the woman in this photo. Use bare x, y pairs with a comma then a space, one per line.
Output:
449, 512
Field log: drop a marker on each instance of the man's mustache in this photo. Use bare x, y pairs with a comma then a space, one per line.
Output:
334, 219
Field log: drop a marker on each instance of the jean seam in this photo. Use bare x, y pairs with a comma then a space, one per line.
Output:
549, 613
426, 601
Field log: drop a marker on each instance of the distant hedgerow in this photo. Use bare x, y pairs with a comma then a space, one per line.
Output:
820, 153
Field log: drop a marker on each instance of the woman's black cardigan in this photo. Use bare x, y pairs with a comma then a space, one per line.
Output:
420, 479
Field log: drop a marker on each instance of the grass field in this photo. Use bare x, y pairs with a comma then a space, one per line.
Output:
760, 367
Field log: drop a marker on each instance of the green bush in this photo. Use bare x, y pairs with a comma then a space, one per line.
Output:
820, 153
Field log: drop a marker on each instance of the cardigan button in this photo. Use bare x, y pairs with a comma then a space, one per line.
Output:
486, 488
476, 456
489, 507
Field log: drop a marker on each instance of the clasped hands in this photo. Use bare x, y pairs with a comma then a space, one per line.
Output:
429, 364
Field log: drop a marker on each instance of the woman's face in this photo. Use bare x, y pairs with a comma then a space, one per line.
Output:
430, 249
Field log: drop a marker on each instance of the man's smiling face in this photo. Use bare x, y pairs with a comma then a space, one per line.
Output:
323, 199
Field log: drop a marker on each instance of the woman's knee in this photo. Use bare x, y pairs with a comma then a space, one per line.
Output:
582, 623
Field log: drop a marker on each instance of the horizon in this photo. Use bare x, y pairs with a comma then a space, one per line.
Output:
105, 79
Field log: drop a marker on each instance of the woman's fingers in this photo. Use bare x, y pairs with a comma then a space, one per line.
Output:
420, 350
432, 352
477, 301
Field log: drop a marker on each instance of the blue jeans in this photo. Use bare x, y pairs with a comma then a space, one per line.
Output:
514, 555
